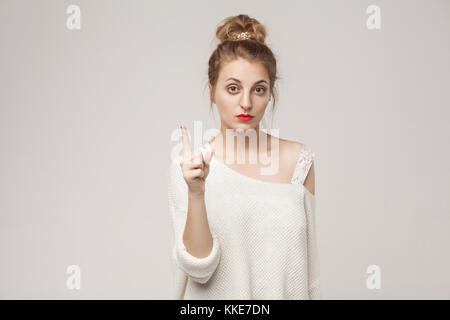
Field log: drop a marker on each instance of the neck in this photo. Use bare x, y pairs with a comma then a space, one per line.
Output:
231, 143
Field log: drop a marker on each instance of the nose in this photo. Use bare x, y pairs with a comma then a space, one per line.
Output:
245, 108
246, 103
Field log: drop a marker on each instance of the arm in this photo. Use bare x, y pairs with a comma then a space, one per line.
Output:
197, 236
200, 262
313, 254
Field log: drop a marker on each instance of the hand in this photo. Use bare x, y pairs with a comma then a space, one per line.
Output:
194, 166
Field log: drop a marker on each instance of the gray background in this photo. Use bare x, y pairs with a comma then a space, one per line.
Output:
86, 118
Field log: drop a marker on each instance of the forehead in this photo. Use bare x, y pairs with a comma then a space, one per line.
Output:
243, 70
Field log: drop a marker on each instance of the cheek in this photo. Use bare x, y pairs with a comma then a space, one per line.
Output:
225, 99
225, 105
260, 110
223, 109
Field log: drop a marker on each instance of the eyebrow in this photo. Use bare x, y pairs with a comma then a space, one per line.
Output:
240, 81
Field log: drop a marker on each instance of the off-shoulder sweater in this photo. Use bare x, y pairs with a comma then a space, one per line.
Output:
264, 236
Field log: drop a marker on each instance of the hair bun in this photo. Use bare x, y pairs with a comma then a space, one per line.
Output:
241, 27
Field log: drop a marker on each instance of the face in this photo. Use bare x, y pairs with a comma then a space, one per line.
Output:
242, 88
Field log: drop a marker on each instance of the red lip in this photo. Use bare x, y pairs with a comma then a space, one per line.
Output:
245, 117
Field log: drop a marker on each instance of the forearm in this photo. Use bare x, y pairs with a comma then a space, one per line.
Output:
197, 236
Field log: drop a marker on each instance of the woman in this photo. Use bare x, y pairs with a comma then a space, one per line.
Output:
240, 234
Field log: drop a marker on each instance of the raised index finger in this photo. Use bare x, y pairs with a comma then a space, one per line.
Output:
187, 151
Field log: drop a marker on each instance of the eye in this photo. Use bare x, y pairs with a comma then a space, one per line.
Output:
262, 89
232, 87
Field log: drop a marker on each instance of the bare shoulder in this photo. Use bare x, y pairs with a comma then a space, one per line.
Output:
292, 150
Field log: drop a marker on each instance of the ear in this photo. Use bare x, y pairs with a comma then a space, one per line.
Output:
211, 93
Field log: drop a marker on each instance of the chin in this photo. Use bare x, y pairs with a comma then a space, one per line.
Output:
246, 127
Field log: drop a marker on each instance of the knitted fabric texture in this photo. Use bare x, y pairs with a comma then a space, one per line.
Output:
264, 236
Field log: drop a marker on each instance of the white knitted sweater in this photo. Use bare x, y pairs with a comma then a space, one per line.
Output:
264, 237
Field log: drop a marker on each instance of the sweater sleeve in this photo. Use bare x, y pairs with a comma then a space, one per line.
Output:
313, 254
197, 269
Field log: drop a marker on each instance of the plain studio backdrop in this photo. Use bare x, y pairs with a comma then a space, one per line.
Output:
87, 116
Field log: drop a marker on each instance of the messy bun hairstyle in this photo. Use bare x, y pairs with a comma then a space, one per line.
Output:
231, 47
